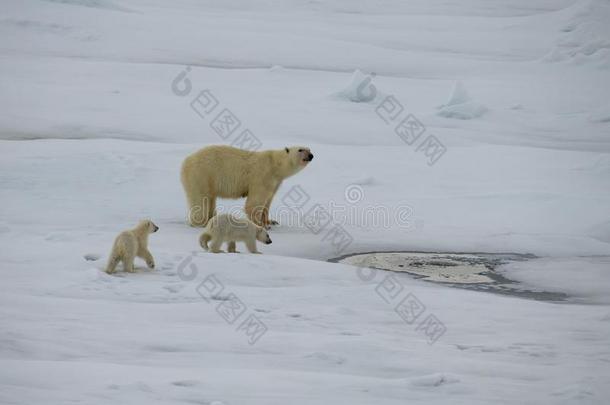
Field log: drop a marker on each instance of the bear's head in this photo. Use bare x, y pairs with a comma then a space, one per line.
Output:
262, 235
300, 155
148, 225
297, 157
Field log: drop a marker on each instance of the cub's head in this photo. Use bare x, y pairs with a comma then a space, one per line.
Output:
148, 225
263, 236
299, 156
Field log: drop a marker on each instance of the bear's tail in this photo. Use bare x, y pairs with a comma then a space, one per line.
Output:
204, 239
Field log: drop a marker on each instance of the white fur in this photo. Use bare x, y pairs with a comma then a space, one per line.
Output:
131, 243
227, 228
227, 172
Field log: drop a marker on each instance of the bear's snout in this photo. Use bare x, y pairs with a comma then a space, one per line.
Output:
156, 228
309, 157
268, 241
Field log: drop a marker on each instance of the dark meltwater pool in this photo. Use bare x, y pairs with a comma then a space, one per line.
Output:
471, 271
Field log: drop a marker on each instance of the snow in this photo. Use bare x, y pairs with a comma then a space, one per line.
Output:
360, 88
584, 279
92, 136
586, 36
461, 105
602, 115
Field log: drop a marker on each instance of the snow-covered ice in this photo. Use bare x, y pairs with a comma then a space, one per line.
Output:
360, 88
461, 105
92, 134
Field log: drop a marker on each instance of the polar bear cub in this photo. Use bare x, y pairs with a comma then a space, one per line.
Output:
228, 228
131, 243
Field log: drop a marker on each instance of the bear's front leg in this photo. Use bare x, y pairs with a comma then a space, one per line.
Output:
256, 206
268, 222
150, 261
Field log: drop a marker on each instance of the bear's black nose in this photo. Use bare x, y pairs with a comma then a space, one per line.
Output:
269, 241
310, 157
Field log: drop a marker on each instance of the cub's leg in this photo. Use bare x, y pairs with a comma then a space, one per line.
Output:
231, 247
215, 246
204, 239
251, 245
128, 263
146, 255
112, 263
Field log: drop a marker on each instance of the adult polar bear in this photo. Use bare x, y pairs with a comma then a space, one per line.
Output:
228, 172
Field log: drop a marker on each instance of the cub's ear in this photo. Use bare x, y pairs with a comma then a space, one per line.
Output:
287, 150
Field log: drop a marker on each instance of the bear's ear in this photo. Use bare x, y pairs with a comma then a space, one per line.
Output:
287, 150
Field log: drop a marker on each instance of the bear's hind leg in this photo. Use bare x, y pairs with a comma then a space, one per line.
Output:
204, 239
215, 246
112, 263
210, 207
201, 208
231, 247
128, 264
